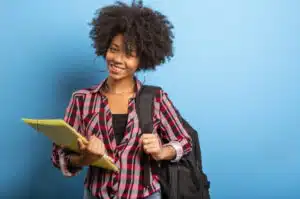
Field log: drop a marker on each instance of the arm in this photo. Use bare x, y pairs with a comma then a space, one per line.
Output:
69, 162
168, 153
172, 130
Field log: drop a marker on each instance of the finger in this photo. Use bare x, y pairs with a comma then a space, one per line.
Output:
102, 150
143, 138
147, 135
95, 139
92, 137
92, 142
152, 145
90, 146
150, 140
146, 151
99, 148
152, 150
96, 147
81, 145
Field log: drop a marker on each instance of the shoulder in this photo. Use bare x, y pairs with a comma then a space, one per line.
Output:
163, 99
153, 89
85, 92
159, 93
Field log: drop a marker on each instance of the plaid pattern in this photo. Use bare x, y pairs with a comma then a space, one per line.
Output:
88, 112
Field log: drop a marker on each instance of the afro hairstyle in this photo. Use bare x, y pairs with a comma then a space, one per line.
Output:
145, 30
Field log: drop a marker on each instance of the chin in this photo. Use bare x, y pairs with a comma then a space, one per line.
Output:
115, 76
118, 77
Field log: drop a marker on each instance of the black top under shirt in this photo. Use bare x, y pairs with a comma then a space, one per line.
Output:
119, 122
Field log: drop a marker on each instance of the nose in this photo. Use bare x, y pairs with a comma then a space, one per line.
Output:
118, 58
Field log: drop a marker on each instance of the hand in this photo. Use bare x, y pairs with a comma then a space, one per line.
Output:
91, 151
152, 146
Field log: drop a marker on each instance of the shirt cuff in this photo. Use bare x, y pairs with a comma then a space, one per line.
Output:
178, 148
65, 167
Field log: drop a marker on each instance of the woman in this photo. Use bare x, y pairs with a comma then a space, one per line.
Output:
131, 38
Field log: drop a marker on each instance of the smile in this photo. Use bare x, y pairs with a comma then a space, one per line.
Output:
115, 68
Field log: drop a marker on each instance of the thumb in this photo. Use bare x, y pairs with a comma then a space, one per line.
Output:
92, 137
81, 145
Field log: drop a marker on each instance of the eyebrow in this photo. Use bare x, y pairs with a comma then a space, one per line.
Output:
113, 44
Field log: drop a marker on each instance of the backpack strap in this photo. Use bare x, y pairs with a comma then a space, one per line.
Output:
144, 108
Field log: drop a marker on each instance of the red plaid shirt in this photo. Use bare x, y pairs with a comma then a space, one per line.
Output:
88, 112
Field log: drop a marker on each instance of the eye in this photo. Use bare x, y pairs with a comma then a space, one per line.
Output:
113, 49
132, 54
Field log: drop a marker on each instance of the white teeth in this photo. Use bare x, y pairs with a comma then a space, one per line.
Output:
116, 67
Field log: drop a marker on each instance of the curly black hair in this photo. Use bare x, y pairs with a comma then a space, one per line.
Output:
149, 31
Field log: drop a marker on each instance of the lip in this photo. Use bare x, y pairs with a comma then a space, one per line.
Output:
115, 69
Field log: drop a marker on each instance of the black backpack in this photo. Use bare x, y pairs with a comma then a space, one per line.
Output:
181, 180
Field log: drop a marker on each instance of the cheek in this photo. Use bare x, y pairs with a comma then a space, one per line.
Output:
133, 65
108, 56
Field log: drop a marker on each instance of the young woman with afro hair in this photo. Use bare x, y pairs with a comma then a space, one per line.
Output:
130, 38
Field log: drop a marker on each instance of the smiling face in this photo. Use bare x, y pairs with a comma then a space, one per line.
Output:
121, 65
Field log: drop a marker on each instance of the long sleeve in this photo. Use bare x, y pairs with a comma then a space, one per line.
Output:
60, 156
172, 127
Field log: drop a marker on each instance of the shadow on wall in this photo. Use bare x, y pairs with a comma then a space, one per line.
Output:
48, 182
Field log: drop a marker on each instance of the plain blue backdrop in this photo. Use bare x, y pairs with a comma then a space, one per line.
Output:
235, 76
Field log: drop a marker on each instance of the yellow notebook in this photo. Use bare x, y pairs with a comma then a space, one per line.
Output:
61, 133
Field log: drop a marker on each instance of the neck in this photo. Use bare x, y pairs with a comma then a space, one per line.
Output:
121, 86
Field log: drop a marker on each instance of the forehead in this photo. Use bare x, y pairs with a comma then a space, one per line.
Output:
119, 40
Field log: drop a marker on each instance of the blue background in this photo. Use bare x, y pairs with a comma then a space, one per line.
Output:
235, 76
